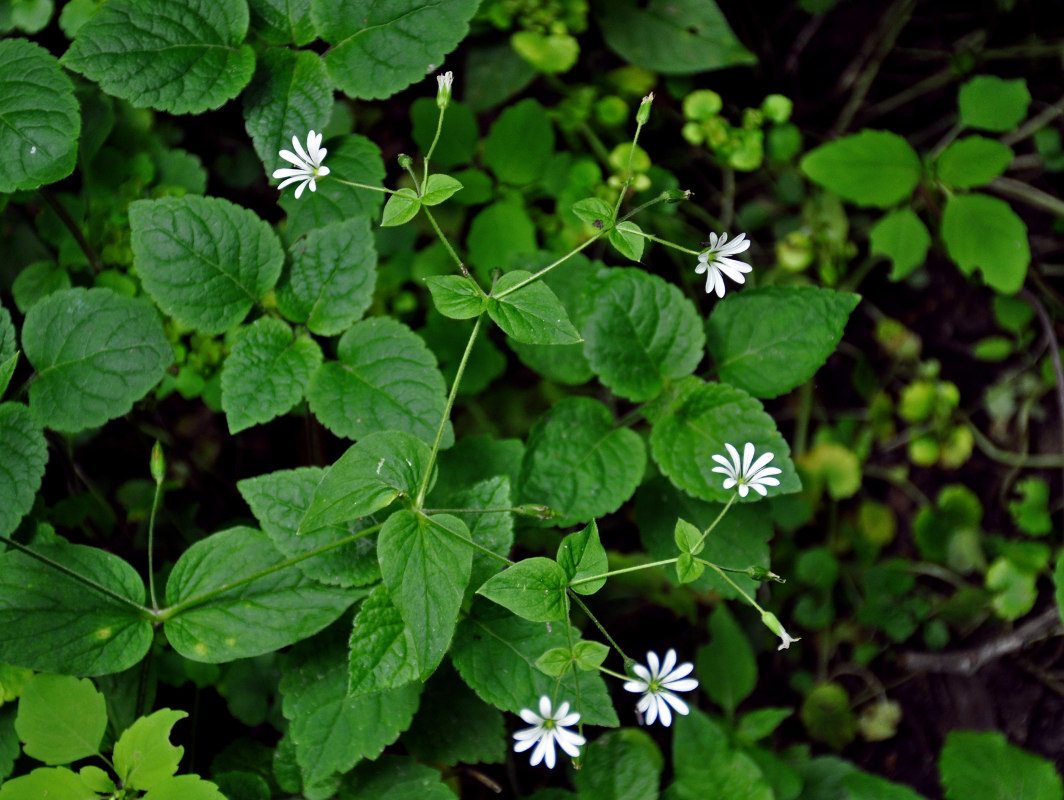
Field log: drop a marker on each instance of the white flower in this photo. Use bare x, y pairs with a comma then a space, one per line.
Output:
747, 474
787, 640
308, 164
547, 729
773, 624
658, 684
718, 259
443, 88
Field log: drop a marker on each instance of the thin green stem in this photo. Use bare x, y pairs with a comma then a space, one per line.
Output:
627, 171
720, 516
151, 545
597, 624
432, 147
472, 510
734, 585
991, 450
613, 572
361, 185
613, 674
551, 266
576, 677
463, 539
447, 244
667, 243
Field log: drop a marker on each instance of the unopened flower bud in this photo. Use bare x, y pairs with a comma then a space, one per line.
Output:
536, 511
443, 92
405, 161
158, 463
675, 195
762, 574
643, 114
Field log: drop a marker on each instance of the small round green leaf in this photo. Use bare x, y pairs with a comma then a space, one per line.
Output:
984, 233
23, 455
903, 238
520, 143
456, 297
972, 161
993, 104
60, 719
870, 168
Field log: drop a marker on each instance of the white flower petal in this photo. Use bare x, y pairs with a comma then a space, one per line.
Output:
679, 672
651, 711
663, 712
531, 717
636, 686
675, 702
642, 672
544, 707
524, 744
652, 664
682, 685
668, 663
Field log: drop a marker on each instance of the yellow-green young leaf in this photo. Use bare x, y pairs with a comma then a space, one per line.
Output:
556, 661
400, 208
60, 719
54, 783
687, 569
438, 188
864, 786
379, 49
187, 60
639, 332
456, 297
386, 379
143, 754
726, 666
184, 787
589, 655
23, 455
972, 161
382, 649
984, 233
870, 168
993, 104
426, 567
96, 779
266, 373
1005, 771
39, 137
205, 261
533, 588
627, 238
256, 615
688, 538
582, 555
520, 143
532, 314
95, 352
52, 623
903, 238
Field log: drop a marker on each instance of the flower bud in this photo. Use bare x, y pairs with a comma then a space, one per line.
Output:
643, 114
443, 92
405, 161
762, 574
158, 463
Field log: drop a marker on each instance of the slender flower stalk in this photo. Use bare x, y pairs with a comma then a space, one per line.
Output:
717, 261
308, 164
657, 681
747, 474
549, 727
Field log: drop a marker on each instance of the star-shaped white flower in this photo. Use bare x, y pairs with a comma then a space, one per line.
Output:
717, 261
307, 162
548, 728
747, 474
657, 683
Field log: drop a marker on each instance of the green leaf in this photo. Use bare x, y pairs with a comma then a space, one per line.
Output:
863, 786
52, 623
687, 569
769, 340
685, 441
870, 168
556, 661
330, 280
395, 778
143, 754
688, 538
95, 352
472, 460
903, 238
1005, 771
382, 648
400, 208
426, 567
640, 332
280, 499
493, 531
247, 609
366, 478
595, 211
55, 783
456, 297
533, 588
283, 21
34, 282
378, 50
458, 138
972, 161
532, 314
186, 62
266, 373
290, 95
184, 787
60, 719
676, 37
205, 261
727, 667
39, 137
496, 652
627, 238
622, 765
23, 455
8, 350
578, 463
438, 188
761, 722
497, 235
520, 143
386, 379
1030, 512
582, 555
984, 233
706, 766
993, 104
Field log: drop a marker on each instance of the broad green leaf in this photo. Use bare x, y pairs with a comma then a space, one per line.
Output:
1005, 771
520, 143
386, 379
639, 332
41, 123
726, 666
863, 786
492, 531
205, 261
675, 37
473, 460
706, 765
95, 352
580, 464
426, 567
984, 233
903, 238
53, 783
266, 373
581, 555
496, 652
400, 208
438, 188
366, 478
395, 778
184, 787
769, 340
379, 49
23, 455
280, 499
29, 16
143, 754
622, 765
687, 569
51, 622
60, 719
283, 21
330, 280
972, 161
456, 297
9, 745
685, 440
382, 648
595, 211
333, 732
290, 95
497, 235
556, 661
870, 168
243, 612
532, 314
628, 241
34, 282
7, 370
993, 104
187, 61
759, 723
533, 588
8, 351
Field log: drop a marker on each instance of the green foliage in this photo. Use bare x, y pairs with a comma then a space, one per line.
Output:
870, 168
903, 238
23, 456
530, 313
972, 161
144, 757
993, 104
533, 588
383, 653
520, 143
582, 556
726, 666
622, 765
1006, 771
60, 719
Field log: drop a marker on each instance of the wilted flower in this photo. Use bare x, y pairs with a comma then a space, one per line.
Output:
307, 162
657, 683
443, 90
718, 259
548, 728
747, 474
773, 624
